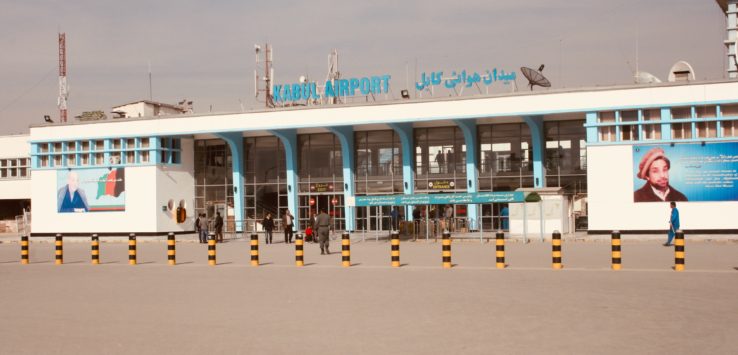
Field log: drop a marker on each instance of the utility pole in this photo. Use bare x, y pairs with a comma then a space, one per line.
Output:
63, 89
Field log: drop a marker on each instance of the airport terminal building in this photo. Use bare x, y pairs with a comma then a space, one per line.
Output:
526, 162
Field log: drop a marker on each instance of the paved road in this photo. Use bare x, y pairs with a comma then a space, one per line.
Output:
370, 308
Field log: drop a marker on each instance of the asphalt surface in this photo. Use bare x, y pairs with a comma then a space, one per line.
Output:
370, 308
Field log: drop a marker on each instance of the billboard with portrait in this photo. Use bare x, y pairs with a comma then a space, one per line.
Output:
90, 190
685, 172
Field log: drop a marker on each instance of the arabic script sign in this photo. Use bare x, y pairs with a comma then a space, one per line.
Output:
440, 199
464, 78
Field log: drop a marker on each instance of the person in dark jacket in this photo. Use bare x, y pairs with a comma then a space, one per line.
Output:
218, 228
268, 225
654, 168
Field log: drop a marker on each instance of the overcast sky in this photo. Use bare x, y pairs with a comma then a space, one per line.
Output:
204, 50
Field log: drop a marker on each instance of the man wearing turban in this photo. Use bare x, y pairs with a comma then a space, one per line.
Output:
654, 168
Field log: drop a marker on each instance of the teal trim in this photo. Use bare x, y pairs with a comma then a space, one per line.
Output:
591, 118
535, 123
407, 141
694, 126
617, 127
719, 124
469, 130
288, 137
345, 135
235, 143
665, 123
662, 141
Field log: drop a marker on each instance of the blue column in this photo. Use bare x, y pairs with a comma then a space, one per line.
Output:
535, 123
469, 129
235, 143
346, 136
289, 140
407, 140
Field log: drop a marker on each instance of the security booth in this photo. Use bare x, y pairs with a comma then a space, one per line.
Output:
543, 211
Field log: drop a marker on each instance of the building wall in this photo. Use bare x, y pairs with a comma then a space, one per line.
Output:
12, 147
611, 207
147, 190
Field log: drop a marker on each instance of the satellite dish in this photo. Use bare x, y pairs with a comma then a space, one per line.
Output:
643, 77
681, 71
302, 79
535, 77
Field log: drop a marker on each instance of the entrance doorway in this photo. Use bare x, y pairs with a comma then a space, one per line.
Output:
311, 204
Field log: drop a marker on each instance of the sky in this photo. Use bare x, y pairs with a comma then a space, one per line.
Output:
204, 50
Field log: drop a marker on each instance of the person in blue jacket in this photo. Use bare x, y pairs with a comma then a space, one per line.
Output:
673, 223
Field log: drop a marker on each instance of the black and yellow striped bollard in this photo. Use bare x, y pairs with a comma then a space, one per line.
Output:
24, 250
95, 250
616, 256
211, 249
500, 249
254, 249
395, 249
132, 249
679, 250
446, 250
59, 250
299, 251
345, 250
171, 249
556, 250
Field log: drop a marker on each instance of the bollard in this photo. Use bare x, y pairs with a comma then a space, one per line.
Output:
95, 250
395, 249
616, 257
171, 251
299, 252
446, 249
345, 250
132, 249
211, 249
24, 249
556, 249
254, 249
500, 249
679, 250
59, 250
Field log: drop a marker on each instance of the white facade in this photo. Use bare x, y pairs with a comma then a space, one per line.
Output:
148, 190
13, 148
611, 207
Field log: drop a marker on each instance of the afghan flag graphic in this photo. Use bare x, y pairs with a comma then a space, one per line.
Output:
111, 184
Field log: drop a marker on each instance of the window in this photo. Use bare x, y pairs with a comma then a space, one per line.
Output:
706, 129
651, 131
629, 132
681, 130
606, 133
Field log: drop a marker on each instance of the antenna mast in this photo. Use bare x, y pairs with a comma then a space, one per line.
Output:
268, 75
63, 89
333, 73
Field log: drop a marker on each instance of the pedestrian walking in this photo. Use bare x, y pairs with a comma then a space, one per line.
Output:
218, 227
268, 225
322, 226
673, 223
204, 228
287, 221
198, 228
395, 217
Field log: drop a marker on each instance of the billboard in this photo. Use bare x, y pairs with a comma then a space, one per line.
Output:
685, 172
90, 190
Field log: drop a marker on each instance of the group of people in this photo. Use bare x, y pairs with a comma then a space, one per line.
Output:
445, 161
202, 227
319, 224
